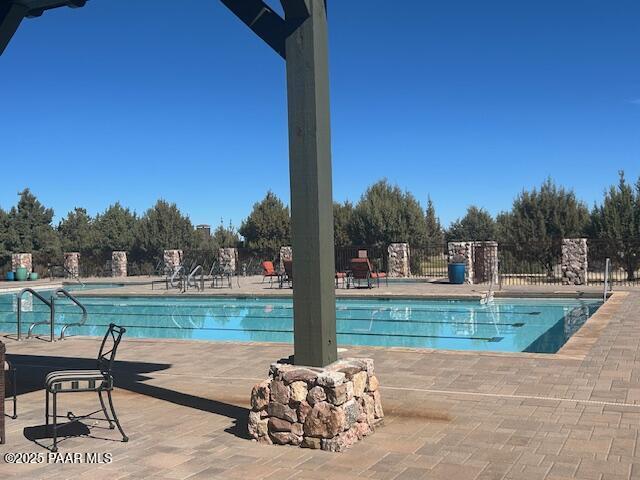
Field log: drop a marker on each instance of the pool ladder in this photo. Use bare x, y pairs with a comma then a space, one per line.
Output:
52, 313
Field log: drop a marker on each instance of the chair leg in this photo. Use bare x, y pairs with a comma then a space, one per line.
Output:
55, 424
104, 410
14, 384
115, 417
46, 409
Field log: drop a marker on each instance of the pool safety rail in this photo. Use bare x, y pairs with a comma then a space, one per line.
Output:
51, 303
48, 303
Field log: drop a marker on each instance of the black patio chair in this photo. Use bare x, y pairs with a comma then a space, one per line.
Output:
11, 374
99, 381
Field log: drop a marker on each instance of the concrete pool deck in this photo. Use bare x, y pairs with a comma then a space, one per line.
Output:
453, 415
253, 286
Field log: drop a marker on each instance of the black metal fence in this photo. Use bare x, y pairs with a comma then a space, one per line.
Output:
534, 263
517, 264
624, 258
430, 261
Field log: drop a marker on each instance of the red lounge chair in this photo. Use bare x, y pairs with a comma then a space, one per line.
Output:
361, 270
268, 271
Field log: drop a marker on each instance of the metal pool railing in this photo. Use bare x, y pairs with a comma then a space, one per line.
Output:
48, 303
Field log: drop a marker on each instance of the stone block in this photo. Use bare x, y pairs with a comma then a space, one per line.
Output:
260, 395
280, 393
281, 411
324, 421
316, 394
330, 379
299, 391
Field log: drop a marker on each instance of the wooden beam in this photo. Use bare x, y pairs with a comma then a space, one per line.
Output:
314, 307
262, 20
10, 17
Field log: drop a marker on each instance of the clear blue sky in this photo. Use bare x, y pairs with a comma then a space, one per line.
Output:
466, 101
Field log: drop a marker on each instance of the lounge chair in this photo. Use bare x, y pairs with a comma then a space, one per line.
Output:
341, 276
361, 270
287, 276
268, 271
75, 381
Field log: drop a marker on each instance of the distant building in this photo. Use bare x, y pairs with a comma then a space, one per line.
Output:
204, 230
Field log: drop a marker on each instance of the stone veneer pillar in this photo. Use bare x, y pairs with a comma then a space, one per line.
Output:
22, 260
286, 253
398, 254
574, 261
228, 258
463, 249
172, 259
119, 264
72, 264
327, 408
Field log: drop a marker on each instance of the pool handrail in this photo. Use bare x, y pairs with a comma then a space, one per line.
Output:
190, 277
48, 303
85, 314
176, 272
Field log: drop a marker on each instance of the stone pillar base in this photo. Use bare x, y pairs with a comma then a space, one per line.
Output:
172, 260
72, 264
21, 260
328, 408
119, 264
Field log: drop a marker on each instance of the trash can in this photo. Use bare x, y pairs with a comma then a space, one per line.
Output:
33, 276
456, 273
10, 276
21, 274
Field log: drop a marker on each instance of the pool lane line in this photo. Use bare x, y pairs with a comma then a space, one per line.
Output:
255, 317
480, 310
364, 334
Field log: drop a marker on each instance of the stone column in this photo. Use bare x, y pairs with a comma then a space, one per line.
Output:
464, 250
399, 260
228, 258
72, 264
328, 408
485, 260
22, 260
172, 259
574, 261
286, 253
119, 264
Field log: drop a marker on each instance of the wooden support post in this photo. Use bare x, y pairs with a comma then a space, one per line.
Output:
314, 308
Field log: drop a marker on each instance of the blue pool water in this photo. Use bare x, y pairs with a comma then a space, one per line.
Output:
509, 325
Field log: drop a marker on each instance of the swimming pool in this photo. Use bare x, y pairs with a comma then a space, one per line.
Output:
508, 325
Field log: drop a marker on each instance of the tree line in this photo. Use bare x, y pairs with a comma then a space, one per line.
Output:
538, 219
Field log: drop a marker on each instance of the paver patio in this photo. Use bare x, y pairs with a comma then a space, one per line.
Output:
453, 415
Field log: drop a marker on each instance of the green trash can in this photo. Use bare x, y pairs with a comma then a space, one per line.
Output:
21, 274
33, 276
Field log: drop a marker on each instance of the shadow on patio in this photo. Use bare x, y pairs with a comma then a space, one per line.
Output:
130, 376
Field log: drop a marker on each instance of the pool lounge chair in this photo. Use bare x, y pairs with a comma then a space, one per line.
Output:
361, 270
287, 275
268, 271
